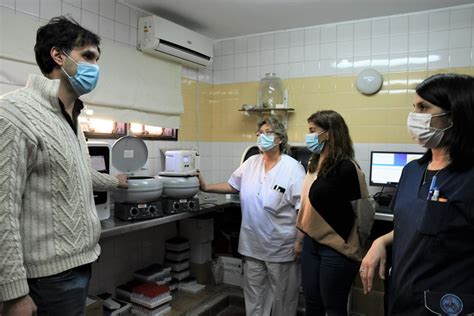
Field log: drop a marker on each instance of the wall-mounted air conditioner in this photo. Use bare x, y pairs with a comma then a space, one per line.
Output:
160, 37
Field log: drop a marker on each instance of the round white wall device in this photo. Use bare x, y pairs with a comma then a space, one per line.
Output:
369, 81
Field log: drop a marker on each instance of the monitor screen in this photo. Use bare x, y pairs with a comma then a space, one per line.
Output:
386, 166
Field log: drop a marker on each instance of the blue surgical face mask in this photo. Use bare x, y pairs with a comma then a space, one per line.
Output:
313, 143
86, 77
266, 142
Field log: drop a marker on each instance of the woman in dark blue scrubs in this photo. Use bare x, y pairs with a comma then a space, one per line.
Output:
433, 237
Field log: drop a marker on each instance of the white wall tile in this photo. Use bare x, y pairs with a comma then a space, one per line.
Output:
107, 8
240, 60
267, 57
227, 47
398, 62
122, 33
311, 52
459, 57
253, 43
360, 63
296, 70
345, 32
240, 45
31, 7
328, 33
90, 21
439, 20
217, 63
362, 30
399, 43
267, 41
133, 37
216, 76
297, 38
380, 62
344, 66
380, 45
76, 3
253, 59
253, 73
227, 61
49, 9
282, 39
8, 4
418, 42
312, 35
122, 14
311, 68
328, 50
327, 67
296, 54
362, 47
417, 61
345, 49
106, 28
73, 11
240, 74
419, 22
460, 38
227, 76
380, 27
265, 69
438, 40
460, 18
282, 55
399, 25
91, 5
133, 18
217, 48
438, 59
282, 70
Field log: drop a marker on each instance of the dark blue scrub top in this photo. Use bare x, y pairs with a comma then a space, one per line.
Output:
433, 248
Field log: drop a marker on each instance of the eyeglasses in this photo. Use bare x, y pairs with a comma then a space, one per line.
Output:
267, 133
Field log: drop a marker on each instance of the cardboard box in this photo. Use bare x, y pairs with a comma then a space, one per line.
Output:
93, 306
232, 271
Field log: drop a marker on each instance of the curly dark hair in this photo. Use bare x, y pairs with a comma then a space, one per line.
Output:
455, 94
339, 144
65, 34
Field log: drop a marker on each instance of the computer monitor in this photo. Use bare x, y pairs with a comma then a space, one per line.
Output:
386, 166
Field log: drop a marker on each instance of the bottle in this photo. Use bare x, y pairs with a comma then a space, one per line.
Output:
270, 91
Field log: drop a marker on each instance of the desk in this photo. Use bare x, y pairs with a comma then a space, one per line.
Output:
114, 226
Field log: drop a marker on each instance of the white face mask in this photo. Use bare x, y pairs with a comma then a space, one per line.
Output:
419, 127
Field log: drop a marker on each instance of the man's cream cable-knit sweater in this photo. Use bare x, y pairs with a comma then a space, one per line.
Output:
48, 221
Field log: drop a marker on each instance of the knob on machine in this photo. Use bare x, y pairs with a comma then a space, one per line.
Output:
138, 211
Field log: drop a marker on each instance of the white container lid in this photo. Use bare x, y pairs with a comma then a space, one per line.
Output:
129, 154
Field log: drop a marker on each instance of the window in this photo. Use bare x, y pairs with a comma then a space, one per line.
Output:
96, 128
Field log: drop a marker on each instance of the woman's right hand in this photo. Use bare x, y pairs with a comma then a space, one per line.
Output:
375, 257
202, 183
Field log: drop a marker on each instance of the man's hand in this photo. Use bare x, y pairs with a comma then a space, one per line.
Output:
122, 180
22, 306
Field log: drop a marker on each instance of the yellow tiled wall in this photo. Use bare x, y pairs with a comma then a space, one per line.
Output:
211, 111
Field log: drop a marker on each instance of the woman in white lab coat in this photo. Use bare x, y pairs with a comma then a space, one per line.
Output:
269, 184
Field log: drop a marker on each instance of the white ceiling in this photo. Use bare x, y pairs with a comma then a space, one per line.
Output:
220, 19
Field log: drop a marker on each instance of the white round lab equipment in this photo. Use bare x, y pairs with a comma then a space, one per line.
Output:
130, 154
179, 185
369, 81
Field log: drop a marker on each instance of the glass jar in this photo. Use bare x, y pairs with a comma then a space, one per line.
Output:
270, 91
